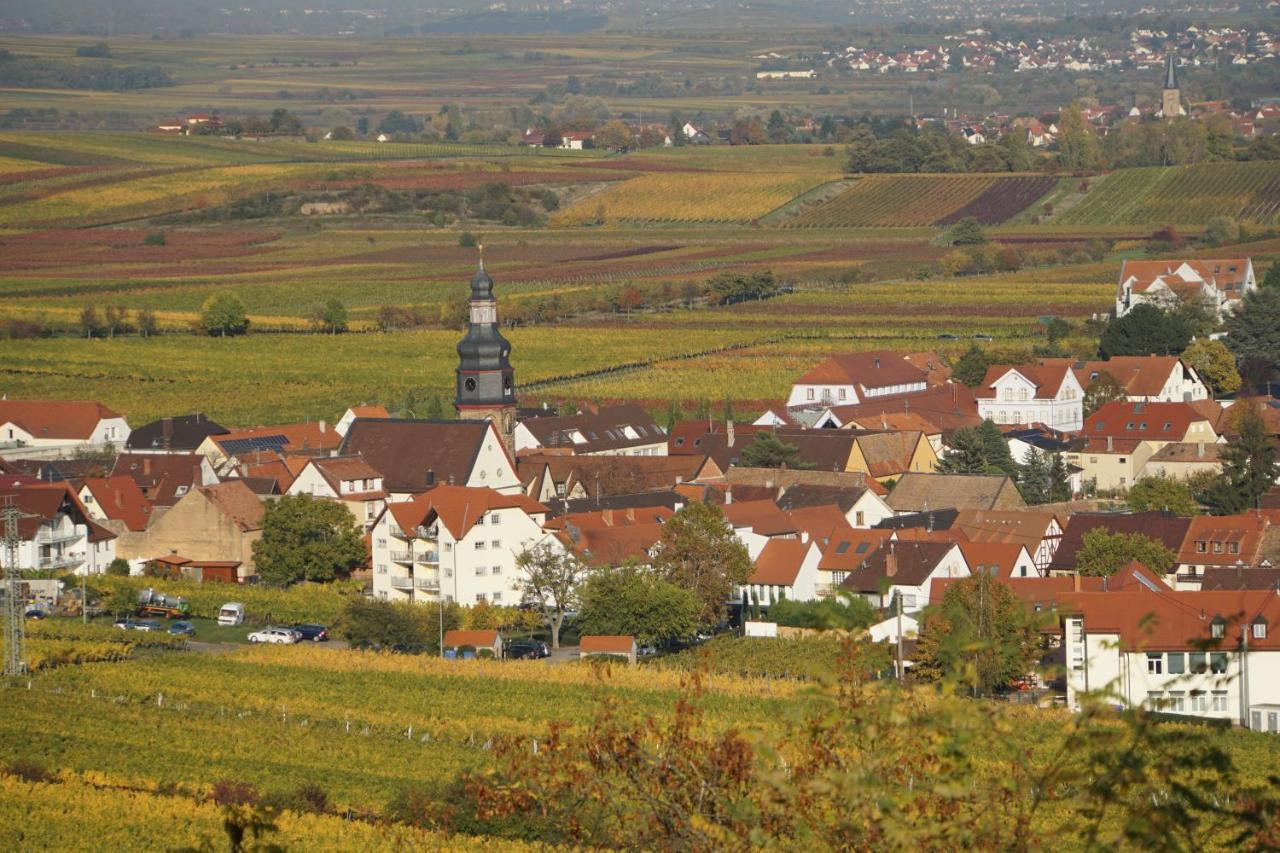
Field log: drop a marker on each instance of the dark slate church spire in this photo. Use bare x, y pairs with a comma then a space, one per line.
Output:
486, 387
1170, 72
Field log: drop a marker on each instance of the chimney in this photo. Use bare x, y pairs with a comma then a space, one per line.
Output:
804, 537
1110, 444
322, 426
1075, 582
891, 562
631, 514
166, 431
607, 515
728, 431
146, 467
431, 477
1200, 449
877, 363
728, 494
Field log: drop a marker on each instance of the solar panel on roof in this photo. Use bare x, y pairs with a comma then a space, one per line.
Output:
262, 442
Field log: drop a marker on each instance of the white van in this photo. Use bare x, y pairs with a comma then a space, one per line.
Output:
231, 613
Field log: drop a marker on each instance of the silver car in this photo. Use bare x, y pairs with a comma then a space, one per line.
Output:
274, 635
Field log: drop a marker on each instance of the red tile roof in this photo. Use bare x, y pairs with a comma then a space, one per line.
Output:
876, 369
484, 639
1003, 555
849, 549
53, 419
612, 546
1237, 539
1177, 620
121, 500
762, 517
1047, 379
779, 562
458, 507
161, 476
238, 502
1141, 421
604, 644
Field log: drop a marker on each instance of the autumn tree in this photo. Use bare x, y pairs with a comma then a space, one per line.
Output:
550, 583
1077, 146
699, 552
223, 314
1102, 390
981, 634
1162, 493
1215, 364
614, 136
1105, 552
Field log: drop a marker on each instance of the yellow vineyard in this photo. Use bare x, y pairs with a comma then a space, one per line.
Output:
689, 197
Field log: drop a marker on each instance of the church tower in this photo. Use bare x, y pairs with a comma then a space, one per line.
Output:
486, 381
1170, 98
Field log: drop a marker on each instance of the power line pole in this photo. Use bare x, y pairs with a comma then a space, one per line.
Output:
15, 638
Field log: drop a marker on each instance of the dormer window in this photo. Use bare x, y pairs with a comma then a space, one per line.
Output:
1218, 628
1259, 628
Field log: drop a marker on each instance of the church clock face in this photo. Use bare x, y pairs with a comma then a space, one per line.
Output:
469, 384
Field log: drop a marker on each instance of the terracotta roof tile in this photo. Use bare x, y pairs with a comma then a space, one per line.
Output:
238, 502
779, 562
603, 644
55, 419
121, 500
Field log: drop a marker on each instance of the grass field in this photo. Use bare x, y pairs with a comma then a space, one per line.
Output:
1184, 195
138, 745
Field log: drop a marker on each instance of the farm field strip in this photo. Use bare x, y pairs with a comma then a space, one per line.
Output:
1183, 195
695, 197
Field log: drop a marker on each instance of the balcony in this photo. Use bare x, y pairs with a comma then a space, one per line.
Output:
405, 557
394, 530
428, 558
57, 537
427, 584
402, 582
59, 561
430, 533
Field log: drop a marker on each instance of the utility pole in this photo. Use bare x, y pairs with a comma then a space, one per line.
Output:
901, 669
15, 639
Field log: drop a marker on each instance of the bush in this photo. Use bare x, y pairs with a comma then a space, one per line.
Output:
846, 613
467, 240
155, 238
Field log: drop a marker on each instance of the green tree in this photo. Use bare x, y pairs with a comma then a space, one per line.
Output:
1272, 278
1077, 146
1215, 364
1253, 330
966, 232
1104, 553
971, 368
402, 626
980, 634
1101, 390
1146, 330
843, 612
1249, 466
995, 449
632, 600
1162, 493
1221, 229
550, 583
223, 314
119, 568
306, 539
966, 453
769, 451
1042, 478
333, 316
146, 322
699, 552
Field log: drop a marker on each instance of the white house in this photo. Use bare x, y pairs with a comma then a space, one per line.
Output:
845, 380
416, 455
1199, 654
55, 531
457, 543
1220, 282
1145, 378
1031, 394
906, 570
59, 426
756, 523
626, 430
361, 411
350, 480
784, 569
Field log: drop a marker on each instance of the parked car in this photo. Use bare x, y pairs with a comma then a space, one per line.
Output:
35, 613
125, 624
982, 337
526, 650
148, 625
274, 635
313, 633
182, 629
231, 613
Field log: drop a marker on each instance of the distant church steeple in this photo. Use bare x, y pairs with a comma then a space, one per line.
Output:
1170, 98
486, 387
